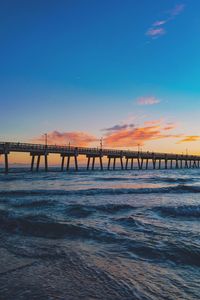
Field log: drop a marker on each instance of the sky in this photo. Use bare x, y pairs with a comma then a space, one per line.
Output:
126, 71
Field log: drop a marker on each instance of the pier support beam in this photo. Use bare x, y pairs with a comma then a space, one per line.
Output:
109, 159
114, 158
62, 163
46, 162
76, 162
121, 161
68, 163
139, 165
114, 163
38, 155
154, 163
101, 163
38, 163
32, 162
126, 167
68, 157
6, 163
177, 166
181, 164
147, 163
93, 161
131, 163
190, 165
166, 161
88, 162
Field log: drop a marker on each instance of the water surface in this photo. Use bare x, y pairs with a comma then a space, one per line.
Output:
100, 235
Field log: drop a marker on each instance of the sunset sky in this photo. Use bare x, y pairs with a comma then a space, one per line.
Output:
124, 70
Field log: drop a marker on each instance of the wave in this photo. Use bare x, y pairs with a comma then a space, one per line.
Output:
111, 179
105, 191
179, 211
32, 204
46, 227
78, 210
129, 221
176, 251
171, 180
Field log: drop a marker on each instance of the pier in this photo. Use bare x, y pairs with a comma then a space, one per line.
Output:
127, 160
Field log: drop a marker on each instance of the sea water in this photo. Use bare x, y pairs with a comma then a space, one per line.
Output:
100, 235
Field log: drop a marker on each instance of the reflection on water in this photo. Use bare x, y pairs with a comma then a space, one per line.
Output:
100, 235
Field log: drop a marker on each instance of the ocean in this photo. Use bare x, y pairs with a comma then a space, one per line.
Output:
100, 235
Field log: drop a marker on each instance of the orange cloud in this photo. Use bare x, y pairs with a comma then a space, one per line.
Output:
190, 138
148, 100
118, 136
75, 138
131, 137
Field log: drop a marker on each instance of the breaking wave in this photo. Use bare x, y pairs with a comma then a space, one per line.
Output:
104, 191
179, 211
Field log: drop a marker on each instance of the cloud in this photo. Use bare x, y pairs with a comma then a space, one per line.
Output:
159, 23
177, 10
170, 126
131, 137
120, 136
148, 100
76, 138
156, 29
190, 138
156, 32
153, 122
119, 127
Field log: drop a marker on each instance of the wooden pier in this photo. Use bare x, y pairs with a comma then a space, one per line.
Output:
125, 158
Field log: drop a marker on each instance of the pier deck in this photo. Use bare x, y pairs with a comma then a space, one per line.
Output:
126, 158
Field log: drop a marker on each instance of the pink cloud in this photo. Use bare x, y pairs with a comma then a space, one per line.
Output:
139, 135
147, 101
75, 138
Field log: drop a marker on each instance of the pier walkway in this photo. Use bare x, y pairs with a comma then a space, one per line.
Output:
125, 158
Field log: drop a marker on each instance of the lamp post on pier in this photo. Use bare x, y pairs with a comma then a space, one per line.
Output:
101, 143
45, 136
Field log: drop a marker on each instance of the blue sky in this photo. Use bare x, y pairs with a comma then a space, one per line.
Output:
72, 66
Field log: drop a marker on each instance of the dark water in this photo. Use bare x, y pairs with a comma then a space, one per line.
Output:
100, 235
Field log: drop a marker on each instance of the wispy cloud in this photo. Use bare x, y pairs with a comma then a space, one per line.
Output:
177, 10
153, 122
147, 100
156, 32
159, 23
156, 29
190, 138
